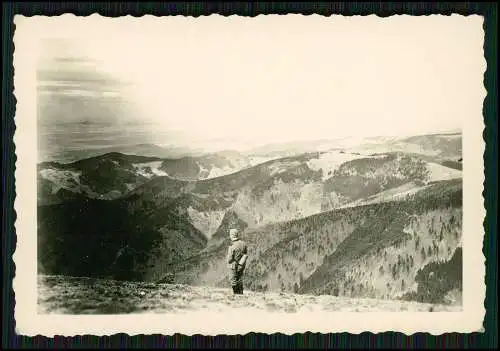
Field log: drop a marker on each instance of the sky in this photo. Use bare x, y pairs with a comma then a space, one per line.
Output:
241, 82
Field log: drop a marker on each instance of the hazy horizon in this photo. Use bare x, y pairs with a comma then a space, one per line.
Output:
59, 154
199, 85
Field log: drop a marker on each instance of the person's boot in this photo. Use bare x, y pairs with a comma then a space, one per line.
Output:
235, 289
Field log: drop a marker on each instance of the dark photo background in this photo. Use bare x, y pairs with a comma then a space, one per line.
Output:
490, 151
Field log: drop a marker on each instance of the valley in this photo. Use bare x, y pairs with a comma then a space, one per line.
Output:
368, 221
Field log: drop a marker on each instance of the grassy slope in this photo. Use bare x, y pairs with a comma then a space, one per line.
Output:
67, 295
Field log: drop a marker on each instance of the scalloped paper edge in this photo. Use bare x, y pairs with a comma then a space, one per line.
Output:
29, 323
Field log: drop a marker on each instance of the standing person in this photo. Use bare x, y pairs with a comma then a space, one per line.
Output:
236, 257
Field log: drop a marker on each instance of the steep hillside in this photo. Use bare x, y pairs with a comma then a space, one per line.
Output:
383, 256
106, 177
316, 222
364, 177
248, 194
364, 251
293, 187
272, 192
98, 238
113, 175
439, 281
60, 187
205, 166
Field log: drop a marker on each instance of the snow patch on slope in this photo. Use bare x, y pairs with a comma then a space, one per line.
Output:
256, 160
328, 162
439, 172
66, 179
207, 222
149, 169
203, 172
219, 172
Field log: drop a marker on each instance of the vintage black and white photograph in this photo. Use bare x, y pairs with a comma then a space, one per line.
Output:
274, 166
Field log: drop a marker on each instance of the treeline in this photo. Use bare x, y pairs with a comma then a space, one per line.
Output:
436, 279
383, 227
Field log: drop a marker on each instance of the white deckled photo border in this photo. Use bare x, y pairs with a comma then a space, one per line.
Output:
26, 38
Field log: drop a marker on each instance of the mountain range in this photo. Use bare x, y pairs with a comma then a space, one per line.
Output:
369, 218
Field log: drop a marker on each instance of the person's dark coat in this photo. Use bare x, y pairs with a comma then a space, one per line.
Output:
236, 252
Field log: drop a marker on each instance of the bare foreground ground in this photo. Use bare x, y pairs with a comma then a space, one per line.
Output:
71, 295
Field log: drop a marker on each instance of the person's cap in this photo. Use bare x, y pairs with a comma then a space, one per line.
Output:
233, 233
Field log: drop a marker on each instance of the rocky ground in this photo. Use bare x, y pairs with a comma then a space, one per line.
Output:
71, 295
